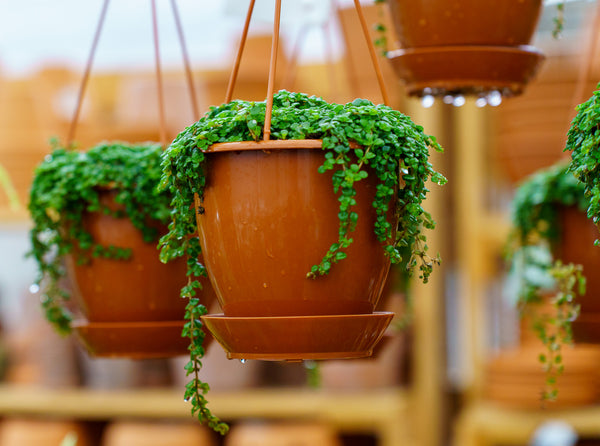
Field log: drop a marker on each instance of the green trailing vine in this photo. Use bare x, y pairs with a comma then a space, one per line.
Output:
65, 186
583, 140
391, 146
559, 20
538, 277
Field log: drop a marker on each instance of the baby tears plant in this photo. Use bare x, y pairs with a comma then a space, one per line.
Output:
534, 273
583, 140
385, 143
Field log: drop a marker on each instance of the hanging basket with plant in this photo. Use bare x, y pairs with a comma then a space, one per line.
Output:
97, 217
583, 141
301, 205
549, 251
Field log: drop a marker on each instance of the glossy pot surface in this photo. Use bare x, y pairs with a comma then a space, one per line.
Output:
267, 217
134, 290
421, 23
578, 234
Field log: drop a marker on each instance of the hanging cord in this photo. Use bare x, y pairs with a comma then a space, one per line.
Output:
374, 60
272, 70
159, 83
186, 61
273, 61
585, 71
238, 57
86, 75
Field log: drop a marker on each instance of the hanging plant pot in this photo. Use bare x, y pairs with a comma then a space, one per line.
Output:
467, 47
267, 210
268, 215
577, 237
97, 218
131, 308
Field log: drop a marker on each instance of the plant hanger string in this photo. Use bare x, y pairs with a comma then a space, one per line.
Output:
158, 71
273, 60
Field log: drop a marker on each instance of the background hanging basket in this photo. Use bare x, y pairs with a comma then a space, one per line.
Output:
467, 47
131, 308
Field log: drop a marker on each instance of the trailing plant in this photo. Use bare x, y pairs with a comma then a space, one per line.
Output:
538, 277
66, 185
389, 146
583, 140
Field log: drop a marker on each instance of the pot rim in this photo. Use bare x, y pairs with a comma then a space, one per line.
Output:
275, 144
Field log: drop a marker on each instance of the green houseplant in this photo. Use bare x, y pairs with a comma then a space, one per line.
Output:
583, 140
359, 141
97, 215
540, 271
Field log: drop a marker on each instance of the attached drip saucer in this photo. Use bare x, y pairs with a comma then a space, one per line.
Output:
466, 70
294, 338
134, 340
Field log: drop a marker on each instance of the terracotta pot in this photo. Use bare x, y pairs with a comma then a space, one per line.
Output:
267, 216
577, 236
153, 433
132, 307
515, 378
422, 23
466, 47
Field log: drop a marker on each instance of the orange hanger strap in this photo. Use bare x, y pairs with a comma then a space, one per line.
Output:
374, 60
272, 71
186, 61
159, 83
238, 56
86, 75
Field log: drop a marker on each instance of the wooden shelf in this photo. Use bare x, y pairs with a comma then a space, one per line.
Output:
487, 424
376, 411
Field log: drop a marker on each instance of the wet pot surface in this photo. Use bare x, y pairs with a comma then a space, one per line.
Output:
421, 23
268, 216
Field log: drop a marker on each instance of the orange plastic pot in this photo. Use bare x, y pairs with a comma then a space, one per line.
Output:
577, 237
427, 23
266, 217
130, 308
466, 47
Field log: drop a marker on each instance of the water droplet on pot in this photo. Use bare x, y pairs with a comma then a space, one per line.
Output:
481, 101
448, 99
34, 288
264, 285
494, 98
427, 101
459, 101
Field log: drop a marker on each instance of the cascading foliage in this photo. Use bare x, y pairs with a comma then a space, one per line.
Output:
388, 143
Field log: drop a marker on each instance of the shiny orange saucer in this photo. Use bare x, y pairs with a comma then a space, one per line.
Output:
134, 340
466, 69
294, 338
